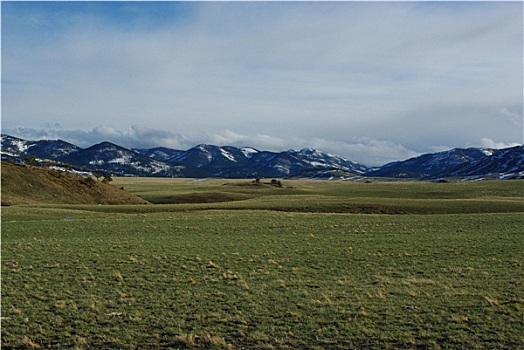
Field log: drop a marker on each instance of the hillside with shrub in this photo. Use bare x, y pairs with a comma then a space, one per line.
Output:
23, 184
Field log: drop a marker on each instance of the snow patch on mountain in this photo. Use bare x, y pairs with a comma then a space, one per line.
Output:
249, 152
227, 155
21, 146
124, 159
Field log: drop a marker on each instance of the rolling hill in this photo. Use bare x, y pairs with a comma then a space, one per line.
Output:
22, 184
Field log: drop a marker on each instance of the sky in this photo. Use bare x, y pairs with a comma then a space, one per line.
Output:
373, 82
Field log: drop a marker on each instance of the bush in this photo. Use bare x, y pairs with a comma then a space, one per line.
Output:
89, 181
277, 183
31, 160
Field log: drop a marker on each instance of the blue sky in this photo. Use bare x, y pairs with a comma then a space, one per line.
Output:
371, 81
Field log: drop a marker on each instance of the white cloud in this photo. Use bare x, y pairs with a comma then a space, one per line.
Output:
367, 151
489, 143
133, 137
259, 141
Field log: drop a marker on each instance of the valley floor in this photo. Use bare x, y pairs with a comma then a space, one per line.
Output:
270, 268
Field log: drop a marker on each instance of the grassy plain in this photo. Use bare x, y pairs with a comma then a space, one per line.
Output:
231, 264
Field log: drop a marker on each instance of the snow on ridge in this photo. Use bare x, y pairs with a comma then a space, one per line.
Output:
124, 159
309, 151
317, 164
248, 151
154, 167
206, 152
227, 155
21, 145
7, 153
71, 171
283, 167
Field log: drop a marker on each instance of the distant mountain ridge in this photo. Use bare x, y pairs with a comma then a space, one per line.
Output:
458, 162
232, 162
199, 161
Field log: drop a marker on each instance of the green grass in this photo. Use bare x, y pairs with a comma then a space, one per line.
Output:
154, 189
320, 196
249, 274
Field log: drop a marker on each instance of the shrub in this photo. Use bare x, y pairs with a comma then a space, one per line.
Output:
277, 183
89, 181
31, 160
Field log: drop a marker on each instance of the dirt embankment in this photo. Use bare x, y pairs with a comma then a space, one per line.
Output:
22, 184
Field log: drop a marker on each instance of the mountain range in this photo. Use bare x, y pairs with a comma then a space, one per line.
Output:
232, 162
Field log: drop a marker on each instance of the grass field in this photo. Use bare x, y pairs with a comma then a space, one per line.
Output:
232, 264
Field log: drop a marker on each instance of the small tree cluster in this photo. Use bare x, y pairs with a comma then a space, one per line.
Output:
107, 179
277, 183
89, 181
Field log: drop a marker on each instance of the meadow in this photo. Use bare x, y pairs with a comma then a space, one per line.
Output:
233, 264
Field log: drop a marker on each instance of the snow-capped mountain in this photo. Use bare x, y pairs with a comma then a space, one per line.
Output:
13, 147
458, 162
199, 161
158, 153
304, 163
506, 162
111, 158
211, 157
247, 162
